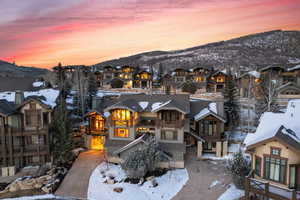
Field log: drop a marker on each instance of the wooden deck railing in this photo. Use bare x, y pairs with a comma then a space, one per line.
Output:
259, 189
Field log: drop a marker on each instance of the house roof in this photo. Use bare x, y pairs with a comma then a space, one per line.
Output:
284, 126
6, 108
203, 108
18, 83
288, 85
152, 103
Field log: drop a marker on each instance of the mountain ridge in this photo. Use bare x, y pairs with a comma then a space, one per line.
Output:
249, 52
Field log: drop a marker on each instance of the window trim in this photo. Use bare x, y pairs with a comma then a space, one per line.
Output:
275, 148
285, 171
260, 165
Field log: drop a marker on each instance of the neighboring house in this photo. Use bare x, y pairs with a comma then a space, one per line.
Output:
217, 82
143, 79
200, 76
126, 75
20, 83
248, 84
24, 134
167, 117
180, 76
275, 154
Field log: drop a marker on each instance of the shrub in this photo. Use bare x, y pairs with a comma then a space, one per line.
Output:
239, 168
116, 83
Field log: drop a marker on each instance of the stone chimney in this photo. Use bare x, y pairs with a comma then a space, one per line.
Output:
19, 97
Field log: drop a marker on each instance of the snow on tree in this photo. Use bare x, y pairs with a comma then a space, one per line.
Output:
239, 168
142, 160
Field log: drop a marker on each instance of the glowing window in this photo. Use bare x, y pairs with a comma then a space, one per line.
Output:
121, 132
199, 79
220, 79
97, 122
145, 75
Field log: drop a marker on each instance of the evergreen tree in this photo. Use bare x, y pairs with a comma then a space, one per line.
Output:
239, 168
160, 72
61, 128
231, 106
92, 89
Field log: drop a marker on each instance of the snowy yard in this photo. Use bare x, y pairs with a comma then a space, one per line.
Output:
168, 185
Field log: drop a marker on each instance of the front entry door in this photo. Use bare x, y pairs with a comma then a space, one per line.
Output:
97, 142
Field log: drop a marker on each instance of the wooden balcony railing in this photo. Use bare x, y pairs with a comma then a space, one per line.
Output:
260, 189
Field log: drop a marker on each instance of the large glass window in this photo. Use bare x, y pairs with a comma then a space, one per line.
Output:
275, 169
33, 117
257, 166
97, 122
121, 117
208, 127
121, 132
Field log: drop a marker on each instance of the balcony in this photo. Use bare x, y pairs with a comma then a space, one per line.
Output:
21, 131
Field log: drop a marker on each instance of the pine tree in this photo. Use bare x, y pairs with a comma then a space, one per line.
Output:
92, 89
231, 106
239, 168
61, 128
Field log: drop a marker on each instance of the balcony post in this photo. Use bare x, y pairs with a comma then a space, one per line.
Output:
267, 190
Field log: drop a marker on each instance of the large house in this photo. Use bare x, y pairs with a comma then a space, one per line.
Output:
275, 154
24, 134
117, 125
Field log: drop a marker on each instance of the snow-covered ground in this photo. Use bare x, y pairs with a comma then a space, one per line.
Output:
168, 185
232, 193
212, 156
46, 196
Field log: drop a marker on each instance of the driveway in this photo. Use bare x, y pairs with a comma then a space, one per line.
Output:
201, 176
76, 183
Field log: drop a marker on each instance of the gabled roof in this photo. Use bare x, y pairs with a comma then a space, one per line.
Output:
6, 108
17, 83
155, 102
203, 108
283, 126
254, 74
278, 67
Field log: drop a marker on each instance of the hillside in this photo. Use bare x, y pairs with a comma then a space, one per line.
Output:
11, 70
243, 53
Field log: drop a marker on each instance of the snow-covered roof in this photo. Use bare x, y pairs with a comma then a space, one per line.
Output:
294, 68
256, 74
210, 110
144, 104
49, 96
38, 84
156, 106
271, 123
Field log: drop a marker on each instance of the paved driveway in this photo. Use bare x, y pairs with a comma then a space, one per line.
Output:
201, 176
76, 183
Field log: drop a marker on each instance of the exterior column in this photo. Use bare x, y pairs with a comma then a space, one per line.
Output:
225, 148
219, 149
199, 149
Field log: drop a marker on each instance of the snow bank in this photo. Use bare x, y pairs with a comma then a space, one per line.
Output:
168, 185
232, 193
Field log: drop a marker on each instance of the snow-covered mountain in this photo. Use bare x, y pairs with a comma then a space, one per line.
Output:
247, 52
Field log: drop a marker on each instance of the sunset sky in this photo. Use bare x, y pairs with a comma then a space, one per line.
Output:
44, 32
